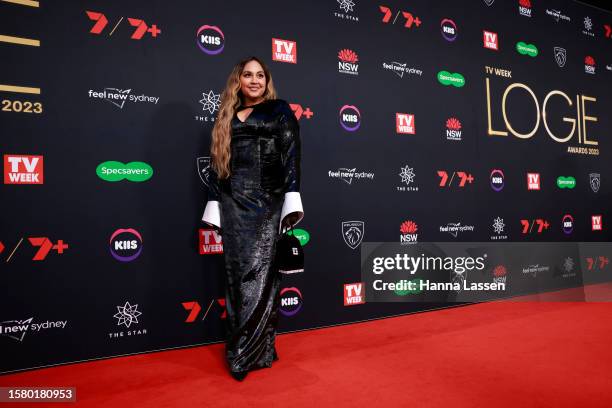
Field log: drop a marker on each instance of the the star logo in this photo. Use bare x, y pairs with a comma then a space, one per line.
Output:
588, 23
346, 5
407, 175
498, 225
210, 101
568, 264
127, 314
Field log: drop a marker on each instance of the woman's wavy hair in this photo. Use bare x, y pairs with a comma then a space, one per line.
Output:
231, 98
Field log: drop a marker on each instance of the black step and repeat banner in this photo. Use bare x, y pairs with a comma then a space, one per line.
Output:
479, 121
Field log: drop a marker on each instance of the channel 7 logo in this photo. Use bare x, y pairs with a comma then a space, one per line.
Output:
141, 28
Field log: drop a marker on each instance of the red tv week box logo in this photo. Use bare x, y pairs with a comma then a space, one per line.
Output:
210, 242
596, 223
284, 50
404, 123
354, 294
490, 40
23, 169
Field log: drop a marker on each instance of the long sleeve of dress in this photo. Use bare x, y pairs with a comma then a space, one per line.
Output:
290, 144
212, 212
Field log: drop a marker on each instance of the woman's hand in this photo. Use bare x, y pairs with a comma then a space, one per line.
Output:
290, 219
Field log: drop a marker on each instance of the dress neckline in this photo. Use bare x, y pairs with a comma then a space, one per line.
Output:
243, 107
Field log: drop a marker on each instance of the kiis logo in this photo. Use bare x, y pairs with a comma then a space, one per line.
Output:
408, 231
567, 224
291, 301
589, 65
525, 8
453, 129
404, 123
533, 181
596, 223
210, 242
348, 62
194, 309
497, 180
354, 294
210, 39
116, 171
528, 226
350, 118
566, 182
455, 79
23, 169
126, 244
411, 21
449, 29
490, 40
118, 97
527, 49
284, 51
141, 28
461, 176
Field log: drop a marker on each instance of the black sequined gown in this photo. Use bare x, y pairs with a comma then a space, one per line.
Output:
265, 164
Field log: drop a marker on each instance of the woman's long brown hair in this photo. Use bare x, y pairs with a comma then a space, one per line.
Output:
230, 100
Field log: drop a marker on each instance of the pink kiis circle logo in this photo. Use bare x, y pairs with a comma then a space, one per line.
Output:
125, 244
291, 301
350, 118
210, 39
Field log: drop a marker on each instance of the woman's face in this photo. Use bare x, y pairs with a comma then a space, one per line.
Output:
252, 82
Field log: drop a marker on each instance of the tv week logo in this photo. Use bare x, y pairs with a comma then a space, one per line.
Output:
284, 51
404, 123
22, 169
596, 223
353, 294
491, 40
210, 242
533, 181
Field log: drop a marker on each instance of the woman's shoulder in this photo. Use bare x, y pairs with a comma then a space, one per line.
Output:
279, 107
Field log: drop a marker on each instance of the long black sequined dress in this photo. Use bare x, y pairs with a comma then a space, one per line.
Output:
264, 182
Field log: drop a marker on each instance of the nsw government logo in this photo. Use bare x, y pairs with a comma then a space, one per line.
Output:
525, 8
453, 129
589, 65
348, 62
352, 233
210, 39
408, 232
126, 244
350, 118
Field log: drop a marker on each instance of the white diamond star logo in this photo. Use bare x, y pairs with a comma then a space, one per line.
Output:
127, 314
346, 5
498, 225
588, 24
568, 265
407, 175
210, 102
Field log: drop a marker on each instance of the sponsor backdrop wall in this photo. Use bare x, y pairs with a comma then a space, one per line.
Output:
420, 121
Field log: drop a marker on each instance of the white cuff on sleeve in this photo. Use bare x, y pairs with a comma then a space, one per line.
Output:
293, 203
212, 213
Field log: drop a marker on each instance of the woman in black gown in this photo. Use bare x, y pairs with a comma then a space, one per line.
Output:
254, 183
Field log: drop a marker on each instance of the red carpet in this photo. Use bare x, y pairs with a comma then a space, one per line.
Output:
501, 354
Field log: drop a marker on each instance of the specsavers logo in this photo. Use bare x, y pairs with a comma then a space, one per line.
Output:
117, 171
